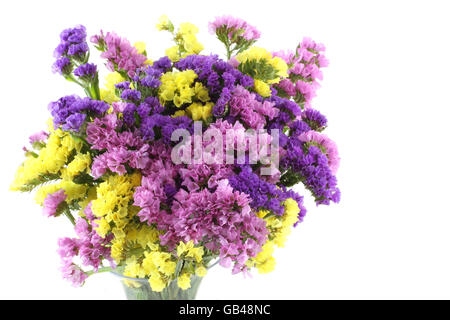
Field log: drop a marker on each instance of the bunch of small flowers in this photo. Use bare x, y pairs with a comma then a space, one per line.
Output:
123, 163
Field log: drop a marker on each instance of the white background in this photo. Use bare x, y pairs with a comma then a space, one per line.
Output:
386, 98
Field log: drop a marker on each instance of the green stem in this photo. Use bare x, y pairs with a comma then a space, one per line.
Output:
100, 270
69, 216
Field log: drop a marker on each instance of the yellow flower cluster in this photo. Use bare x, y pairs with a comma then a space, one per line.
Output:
80, 163
256, 54
112, 205
108, 94
199, 111
160, 267
280, 228
72, 190
51, 159
185, 39
181, 88
164, 24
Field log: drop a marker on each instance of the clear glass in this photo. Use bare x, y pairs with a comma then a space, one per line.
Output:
139, 289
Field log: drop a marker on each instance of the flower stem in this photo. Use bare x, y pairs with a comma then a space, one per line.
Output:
100, 270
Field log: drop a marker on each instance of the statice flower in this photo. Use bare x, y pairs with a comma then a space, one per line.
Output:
119, 53
222, 220
63, 66
52, 202
212, 72
304, 71
325, 144
121, 149
86, 71
70, 111
88, 246
40, 136
312, 168
73, 273
234, 27
131, 95
264, 195
243, 105
73, 43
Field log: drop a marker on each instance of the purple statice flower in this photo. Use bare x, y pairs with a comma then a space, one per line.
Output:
62, 65
325, 144
119, 53
164, 64
129, 117
52, 202
311, 166
74, 122
159, 126
149, 76
314, 119
234, 27
218, 76
73, 43
264, 195
123, 85
86, 71
298, 127
69, 111
131, 95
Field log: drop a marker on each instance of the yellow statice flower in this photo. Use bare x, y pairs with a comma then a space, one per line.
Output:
140, 46
264, 261
72, 190
108, 94
199, 111
173, 53
80, 163
51, 159
177, 87
201, 271
114, 198
187, 28
262, 88
157, 282
179, 113
185, 39
201, 92
280, 228
189, 250
164, 23
184, 281
264, 68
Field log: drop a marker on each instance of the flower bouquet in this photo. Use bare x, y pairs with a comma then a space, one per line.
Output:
175, 165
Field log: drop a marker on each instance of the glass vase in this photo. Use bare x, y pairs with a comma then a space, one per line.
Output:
140, 289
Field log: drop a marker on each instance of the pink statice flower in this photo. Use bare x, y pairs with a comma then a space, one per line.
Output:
119, 52
38, 137
233, 27
73, 273
52, 201
304, 71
